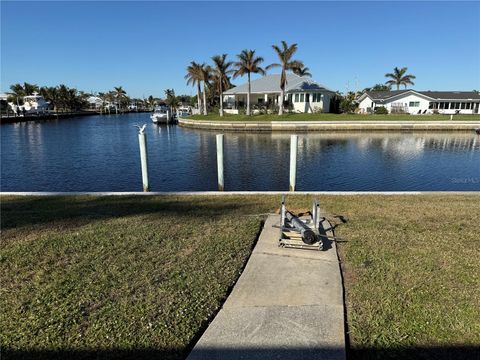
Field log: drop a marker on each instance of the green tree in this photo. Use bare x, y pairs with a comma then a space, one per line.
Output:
248, 63
399, 77
16, 94
206, 74
221, 71
171, 100
50, 93
378, 87
63, 97
18, 91
303, 71
285, 54
194, 77
120, 96
348, 102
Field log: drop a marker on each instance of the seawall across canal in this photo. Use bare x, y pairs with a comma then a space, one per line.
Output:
356, 125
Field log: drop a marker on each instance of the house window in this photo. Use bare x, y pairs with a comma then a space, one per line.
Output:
462, 106
318, 97
302, 97
261, 101
307, 98
296, 97
414, 104
457, 105
467, 106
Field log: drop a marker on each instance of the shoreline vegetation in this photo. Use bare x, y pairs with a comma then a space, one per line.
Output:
128, 276
62, 115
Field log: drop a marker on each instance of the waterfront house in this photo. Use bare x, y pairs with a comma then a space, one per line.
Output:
421, 102
302, 95
94, 102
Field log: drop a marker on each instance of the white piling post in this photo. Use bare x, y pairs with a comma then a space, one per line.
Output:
142, 140
293, 161
220, 162
317, 214
283, 211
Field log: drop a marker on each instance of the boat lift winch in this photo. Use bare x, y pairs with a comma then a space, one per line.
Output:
300, 231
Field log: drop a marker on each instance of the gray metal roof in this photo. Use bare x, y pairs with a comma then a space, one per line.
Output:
452, 95
271, 84
381, 96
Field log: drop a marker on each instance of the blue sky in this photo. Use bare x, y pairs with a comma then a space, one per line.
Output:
146, 46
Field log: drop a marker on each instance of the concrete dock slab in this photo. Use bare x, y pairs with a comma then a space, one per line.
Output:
288, 303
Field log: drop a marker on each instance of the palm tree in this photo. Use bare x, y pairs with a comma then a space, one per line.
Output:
377, 87
51, 94
248, 64
152, 102
399, 77
172, 100
303, 71
29, 89
285, 55
63, 96
194, 77
206, 74
18, 91
221, 71
120, 94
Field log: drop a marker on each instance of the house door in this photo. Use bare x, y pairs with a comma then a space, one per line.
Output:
307, 97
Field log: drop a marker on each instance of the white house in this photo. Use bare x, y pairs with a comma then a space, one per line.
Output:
94, 102
303, 94
421, 102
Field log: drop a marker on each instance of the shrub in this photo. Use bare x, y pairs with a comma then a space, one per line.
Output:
381, 110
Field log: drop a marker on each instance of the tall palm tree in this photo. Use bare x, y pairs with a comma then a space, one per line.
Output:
120, 94
303, 71
400, 77
206, 73
194, 77
248, 64
285, 54
221, 71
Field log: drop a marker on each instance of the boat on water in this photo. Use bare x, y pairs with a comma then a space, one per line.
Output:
161, 115
32, 104
184, 111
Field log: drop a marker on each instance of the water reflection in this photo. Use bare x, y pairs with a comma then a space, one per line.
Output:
101, 154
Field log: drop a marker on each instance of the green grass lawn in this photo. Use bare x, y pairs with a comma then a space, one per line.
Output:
331, 117
139, 277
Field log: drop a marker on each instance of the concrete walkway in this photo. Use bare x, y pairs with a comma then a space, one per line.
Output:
287, 304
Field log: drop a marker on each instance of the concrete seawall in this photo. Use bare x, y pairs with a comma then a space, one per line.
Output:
360, 125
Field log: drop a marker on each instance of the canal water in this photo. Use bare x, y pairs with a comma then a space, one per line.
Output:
100, 153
